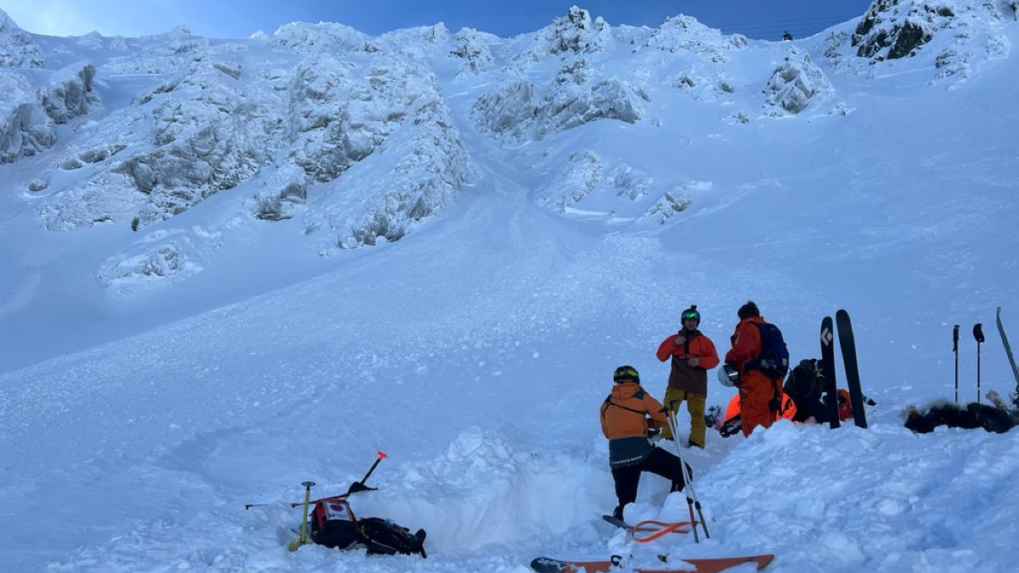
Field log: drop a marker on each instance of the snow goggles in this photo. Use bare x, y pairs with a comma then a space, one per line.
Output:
691, 315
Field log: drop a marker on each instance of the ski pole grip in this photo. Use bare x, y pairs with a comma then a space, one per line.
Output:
978, 332
955, 339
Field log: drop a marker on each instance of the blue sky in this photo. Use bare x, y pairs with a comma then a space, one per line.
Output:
238, 19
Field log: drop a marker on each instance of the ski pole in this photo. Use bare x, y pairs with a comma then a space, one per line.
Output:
303, 539
978, 334
955, 349
691, 498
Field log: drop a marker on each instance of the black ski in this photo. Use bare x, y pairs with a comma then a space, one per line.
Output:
828, 371
848, 344
1011, 359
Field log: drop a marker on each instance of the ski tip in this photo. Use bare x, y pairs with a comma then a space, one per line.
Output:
546, 565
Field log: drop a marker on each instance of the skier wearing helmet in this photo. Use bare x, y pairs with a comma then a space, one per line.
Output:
624, 421
693, 354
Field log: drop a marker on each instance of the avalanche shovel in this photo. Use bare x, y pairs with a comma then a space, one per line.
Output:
303, 539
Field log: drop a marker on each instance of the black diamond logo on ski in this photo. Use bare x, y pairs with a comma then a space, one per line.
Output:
826, 337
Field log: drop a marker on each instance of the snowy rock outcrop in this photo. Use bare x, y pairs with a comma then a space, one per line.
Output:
686, 34
797, 83
70, 93
28, 112
572, 34
25, 129
590, 182
962, 33
301, 36
576, 96
17, 49
471, 47
676, 201
408, 158
205, 134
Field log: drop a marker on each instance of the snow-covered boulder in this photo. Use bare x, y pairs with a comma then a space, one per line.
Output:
591, 183
71, 93
158, 259
510, 109
676, 201
610, 98
25, 129
687, 35
283, 191
29, 111
573, 34
17, 49
575, 97
471, 47
797, 83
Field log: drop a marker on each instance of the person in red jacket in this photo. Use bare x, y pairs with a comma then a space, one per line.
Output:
759, 395
626, 415
693, 354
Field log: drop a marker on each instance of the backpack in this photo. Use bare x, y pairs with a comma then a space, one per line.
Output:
805, 383
805, 386
773, 361
334, 525
383, 537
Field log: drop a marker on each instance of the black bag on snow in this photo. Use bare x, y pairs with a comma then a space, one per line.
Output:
774, 359
383, 537
805, 386
334, 525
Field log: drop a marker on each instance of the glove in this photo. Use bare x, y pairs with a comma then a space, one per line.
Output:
694, 361
358, 487
679, 340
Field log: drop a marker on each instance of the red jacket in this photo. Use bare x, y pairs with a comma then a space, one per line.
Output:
684, 377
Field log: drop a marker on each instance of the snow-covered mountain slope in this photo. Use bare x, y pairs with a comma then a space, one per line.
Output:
194, 330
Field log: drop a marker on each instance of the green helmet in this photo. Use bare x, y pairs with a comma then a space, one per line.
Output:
626, 374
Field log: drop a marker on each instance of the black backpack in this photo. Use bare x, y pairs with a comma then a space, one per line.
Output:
773, 361
383, 537
805, 383
334, 525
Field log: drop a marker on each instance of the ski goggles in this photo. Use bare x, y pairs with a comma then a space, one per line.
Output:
691, 315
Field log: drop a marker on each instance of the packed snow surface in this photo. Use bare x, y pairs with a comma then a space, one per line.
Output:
231, 266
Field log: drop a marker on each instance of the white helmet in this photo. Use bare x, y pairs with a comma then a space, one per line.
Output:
728, 376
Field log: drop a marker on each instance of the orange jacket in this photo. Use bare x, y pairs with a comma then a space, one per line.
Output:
624, 413
746, 344
684, 377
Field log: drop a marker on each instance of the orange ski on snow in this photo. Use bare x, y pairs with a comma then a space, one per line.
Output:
547, 565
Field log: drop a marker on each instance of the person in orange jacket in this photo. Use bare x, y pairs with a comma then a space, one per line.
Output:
624, 421
693, 354
759, 395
